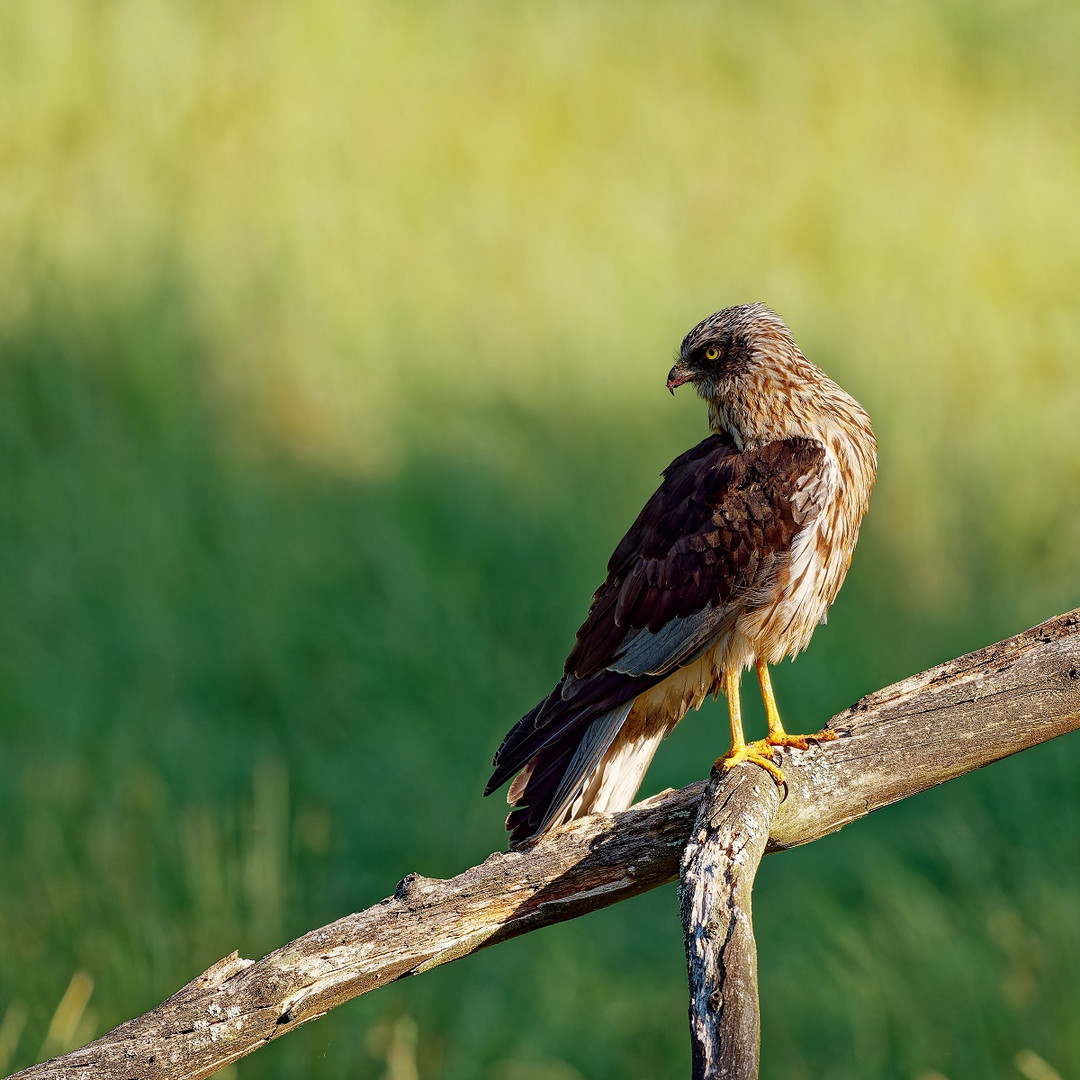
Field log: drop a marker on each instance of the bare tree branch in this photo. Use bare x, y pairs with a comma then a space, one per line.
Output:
716, 879
894, 743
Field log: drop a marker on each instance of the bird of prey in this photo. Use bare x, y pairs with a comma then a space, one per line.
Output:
732, 563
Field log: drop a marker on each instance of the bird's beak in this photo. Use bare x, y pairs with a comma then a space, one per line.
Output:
677, 376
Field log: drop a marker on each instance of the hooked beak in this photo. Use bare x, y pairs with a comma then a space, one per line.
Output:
677, 376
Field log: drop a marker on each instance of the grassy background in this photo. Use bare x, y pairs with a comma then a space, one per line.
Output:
332, 342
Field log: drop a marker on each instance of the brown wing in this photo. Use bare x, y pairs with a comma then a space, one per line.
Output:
707, 541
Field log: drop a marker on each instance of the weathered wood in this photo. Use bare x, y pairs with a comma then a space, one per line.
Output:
920, 732
933, 727
716, 879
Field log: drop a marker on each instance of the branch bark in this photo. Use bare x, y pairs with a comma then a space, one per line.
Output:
716, 879
899, 741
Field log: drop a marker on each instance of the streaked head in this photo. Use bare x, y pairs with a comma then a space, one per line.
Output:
729, 344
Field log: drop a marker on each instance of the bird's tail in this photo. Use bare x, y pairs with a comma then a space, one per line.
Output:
549, 790
568, 779
570, 756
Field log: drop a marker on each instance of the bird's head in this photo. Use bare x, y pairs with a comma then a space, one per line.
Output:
744, 362
733, 343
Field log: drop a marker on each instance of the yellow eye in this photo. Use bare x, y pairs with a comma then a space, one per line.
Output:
712, 354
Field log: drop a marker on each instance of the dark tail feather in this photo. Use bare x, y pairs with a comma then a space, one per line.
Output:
506, 761
556, 776
558, 717
557, 744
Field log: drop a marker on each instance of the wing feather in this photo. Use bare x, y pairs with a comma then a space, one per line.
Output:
702, 540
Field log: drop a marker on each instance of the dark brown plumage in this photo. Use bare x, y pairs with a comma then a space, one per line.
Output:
741, 543
704, 536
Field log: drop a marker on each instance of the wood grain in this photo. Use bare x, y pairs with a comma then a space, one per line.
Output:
716, 880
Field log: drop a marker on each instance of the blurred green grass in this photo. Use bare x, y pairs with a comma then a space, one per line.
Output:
331, 347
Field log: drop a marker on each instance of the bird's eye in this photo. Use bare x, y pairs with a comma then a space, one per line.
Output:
712, 353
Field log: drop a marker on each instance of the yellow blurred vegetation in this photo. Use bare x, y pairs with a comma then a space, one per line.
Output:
366, 202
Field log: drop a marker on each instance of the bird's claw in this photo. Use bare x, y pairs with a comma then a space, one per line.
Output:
801, 742
757, 753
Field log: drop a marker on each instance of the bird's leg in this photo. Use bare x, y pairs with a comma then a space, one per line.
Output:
758, 752
777, 735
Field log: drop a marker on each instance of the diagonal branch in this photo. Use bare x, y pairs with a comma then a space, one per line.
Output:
896, 742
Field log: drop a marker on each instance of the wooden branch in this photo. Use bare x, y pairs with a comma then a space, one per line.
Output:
716, 878
920, 732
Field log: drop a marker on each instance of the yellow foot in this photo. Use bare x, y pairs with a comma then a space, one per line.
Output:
801, 742
757, 753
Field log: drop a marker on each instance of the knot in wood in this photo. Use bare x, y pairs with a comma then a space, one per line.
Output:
411, 886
